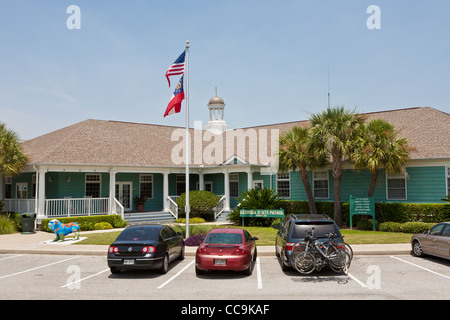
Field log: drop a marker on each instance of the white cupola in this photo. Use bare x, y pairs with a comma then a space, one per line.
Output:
216, 121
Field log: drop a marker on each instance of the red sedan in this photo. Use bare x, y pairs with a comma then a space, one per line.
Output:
226, 249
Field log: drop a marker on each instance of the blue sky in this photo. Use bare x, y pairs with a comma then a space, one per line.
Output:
269, 59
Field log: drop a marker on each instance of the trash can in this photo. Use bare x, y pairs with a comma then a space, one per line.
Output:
27, 220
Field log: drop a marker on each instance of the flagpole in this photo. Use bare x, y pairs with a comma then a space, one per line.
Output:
187, 208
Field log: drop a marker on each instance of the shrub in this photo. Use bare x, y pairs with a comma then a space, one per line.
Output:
88, 223
416, 227
390, 226
256, 199
199, 201
7, 225
102, 226
191, 220
195, 240
367, 225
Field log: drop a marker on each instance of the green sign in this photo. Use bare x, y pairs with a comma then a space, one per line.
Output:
362, 206
261, 213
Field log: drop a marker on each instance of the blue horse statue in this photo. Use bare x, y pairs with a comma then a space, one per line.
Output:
61, 230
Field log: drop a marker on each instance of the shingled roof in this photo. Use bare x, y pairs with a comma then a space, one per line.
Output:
98, 142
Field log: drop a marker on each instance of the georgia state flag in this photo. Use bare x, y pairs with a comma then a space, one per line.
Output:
175, 103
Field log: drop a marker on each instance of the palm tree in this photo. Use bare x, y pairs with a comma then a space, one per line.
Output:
294, 155
333, 133
12, 157
377, 148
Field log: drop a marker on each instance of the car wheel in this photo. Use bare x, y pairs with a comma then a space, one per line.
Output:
165, 266
198, 271
417, 249
249, 271
181, 257
114, 270
256, 255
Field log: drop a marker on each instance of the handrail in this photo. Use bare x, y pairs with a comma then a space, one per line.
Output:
219, 207
173, 207
121, 209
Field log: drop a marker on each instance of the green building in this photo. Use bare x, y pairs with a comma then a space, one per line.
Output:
100, 167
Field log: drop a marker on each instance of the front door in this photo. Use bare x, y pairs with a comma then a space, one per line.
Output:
123, 194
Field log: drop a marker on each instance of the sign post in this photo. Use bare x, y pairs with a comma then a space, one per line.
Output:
261, 213
362, 206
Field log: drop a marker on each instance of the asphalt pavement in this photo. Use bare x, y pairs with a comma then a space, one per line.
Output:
42, 243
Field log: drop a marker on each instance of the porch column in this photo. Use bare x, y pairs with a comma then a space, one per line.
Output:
249, 179
201, 182
227, 190
41, 214
166, 191
112, 191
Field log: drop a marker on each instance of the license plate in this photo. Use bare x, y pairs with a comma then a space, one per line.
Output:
220, 262
128, 262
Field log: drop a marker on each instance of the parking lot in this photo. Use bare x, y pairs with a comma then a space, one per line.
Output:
33, 276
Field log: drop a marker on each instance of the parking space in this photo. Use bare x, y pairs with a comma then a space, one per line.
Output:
87, 277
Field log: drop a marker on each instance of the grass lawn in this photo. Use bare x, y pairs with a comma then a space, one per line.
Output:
266, 236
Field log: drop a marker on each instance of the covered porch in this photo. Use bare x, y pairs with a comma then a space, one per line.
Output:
65, 191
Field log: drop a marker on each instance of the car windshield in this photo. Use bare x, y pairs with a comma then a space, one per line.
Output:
139, 234
320, 228
224, 238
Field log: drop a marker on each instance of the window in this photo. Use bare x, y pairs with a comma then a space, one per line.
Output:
283, 185
8, 188
320, 183
146, 185
21, 190
181, 184
234, 185
93, 185
396, 187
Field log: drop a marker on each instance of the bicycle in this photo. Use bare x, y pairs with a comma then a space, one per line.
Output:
313, 255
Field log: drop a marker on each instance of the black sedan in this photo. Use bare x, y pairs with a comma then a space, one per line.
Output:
145, 247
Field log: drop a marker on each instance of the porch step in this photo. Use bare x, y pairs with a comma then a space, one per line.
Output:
223, 217
149, 217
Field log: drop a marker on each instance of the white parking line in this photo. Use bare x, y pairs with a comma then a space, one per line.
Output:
32, 269
258, 273
357, 281
413, 264
74, 282
179, 272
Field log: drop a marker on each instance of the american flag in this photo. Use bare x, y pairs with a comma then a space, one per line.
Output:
177, 67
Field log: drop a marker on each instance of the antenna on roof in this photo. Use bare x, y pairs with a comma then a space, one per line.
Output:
216, 91
328, 85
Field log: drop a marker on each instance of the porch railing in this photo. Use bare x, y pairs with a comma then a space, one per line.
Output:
173, 207
76, 207
220, 207
20, 205
119, 210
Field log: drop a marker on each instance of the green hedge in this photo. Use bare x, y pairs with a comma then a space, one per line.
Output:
395, 212
88, 223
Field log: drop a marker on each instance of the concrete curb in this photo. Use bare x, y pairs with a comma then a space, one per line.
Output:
34, 244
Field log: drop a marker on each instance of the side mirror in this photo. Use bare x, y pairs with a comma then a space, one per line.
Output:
179, 234
276, 226
255, 238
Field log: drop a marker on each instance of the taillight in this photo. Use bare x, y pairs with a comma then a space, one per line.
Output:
239, 252
113, 249
201, 250
289, 246
149, 249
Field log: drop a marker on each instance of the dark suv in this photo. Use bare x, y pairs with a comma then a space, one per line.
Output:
293, 229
